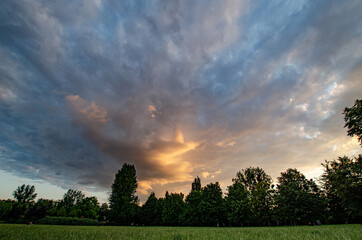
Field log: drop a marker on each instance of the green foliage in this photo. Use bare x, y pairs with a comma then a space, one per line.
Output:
173, 208
6, 206
193, 212
123, 200
61, 212
238, 204
251, 178
151, 212
67, 221
41, 208
72, 198
25, 194
353, 120
342, 179
298, 200
104, 212
212, 205
258, 185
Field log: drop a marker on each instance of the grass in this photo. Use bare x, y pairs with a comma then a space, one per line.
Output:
17, 231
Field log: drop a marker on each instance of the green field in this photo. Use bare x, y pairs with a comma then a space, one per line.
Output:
16, 231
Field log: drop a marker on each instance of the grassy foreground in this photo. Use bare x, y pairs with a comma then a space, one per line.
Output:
16, 231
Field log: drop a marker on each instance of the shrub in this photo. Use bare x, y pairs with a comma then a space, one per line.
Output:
67, 221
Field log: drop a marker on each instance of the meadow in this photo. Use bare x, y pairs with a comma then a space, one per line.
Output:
17, 231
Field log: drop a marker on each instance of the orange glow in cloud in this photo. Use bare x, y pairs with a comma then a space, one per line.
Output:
91, 111
168, 155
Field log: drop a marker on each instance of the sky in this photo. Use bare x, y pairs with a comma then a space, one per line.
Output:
178, 88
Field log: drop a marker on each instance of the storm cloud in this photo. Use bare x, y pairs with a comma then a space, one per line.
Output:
178, 88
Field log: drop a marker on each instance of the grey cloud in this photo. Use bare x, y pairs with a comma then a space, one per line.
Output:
242, 80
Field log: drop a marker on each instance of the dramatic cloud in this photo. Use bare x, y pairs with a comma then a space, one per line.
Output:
178, 88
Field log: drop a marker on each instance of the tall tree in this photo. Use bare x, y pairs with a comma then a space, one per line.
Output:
6, 207
89, 208
212, 205
103, 212
72, 197
71, 202
353, 119
342, 180
123, 200
25, 194
173, 208
41, 208
196, 184
298, 200
193, 214
151, 212
238, 204
258, 184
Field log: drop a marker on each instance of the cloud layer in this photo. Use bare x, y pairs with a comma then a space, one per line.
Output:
178, 88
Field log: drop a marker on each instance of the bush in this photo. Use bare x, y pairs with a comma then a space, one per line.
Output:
67, 221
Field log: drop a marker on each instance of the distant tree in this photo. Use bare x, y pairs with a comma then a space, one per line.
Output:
298, 200
123, 200
196, 185
72, 199
342, 181
353, 119
258, 185
104, 212
193, 211
238, 204
89, 208
6, 207
25, 194
151, 212
173, 209
41, 208
212, 205
61, 212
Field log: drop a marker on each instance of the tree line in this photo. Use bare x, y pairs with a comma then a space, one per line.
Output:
251, 200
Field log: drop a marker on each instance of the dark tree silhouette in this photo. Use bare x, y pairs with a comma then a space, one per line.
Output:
123, 200
342, 180
353, 119
25, 194
238, 204
196, 185
298, 200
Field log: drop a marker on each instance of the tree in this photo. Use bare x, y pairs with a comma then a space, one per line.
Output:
196, 185
212, 205
103, 212
6, 207
123, 200
25, 194
41, 208
71, 202
353, 119
238, 204
173, 209
151, 212
193, 214
298, 200
72, 197
342, 179
89, 207
258, 185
